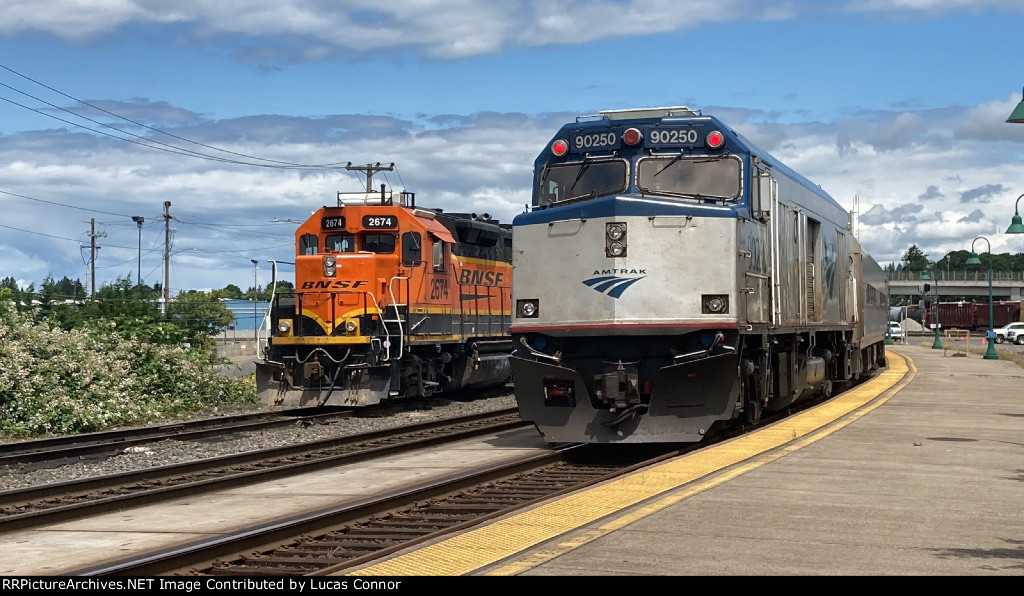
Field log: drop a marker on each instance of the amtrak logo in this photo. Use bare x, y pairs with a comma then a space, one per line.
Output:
609, 282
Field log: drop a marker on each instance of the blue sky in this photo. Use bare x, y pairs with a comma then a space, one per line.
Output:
897, 107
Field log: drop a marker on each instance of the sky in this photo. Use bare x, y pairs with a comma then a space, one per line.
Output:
243, 115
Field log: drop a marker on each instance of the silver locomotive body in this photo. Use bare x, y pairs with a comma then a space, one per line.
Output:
657, 310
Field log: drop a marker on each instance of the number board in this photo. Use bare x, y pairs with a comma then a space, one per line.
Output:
380, 222
332, 223
673, 136
585, 142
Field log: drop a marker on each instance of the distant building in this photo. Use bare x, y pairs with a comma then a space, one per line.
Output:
245, 319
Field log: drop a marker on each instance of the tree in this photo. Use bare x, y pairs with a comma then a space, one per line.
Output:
914, 260
70, 289
127, 306
201, 314
231, 292
284, 288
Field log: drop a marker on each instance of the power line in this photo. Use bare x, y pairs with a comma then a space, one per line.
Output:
272, 163
61, 204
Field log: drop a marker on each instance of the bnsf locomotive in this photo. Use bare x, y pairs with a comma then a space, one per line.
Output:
671, 278
391, 301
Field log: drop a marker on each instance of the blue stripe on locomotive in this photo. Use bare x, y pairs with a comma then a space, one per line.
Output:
619, 205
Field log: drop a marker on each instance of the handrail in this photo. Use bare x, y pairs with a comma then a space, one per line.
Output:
947, 276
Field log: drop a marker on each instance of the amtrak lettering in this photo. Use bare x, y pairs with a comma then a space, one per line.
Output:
606, 282
340, 284
478, 277
621, 272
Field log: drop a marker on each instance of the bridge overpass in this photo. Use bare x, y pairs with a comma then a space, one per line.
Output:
1005, 285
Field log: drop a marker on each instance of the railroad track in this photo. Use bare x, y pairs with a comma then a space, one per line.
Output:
330, 541
108, 442
23, 455
36, 505
327, 542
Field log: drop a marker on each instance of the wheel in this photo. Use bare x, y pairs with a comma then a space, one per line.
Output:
1020, 340
1000, 339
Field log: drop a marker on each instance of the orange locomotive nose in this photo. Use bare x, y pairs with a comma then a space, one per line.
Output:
390, 301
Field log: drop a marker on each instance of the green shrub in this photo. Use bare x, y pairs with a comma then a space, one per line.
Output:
56, 382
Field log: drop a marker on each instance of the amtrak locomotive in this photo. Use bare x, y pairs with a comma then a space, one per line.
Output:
671, 278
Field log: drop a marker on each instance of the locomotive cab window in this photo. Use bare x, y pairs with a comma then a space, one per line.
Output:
379, 243
701, 177
412, 249
580, 180
340, 243
438, 254
308, 244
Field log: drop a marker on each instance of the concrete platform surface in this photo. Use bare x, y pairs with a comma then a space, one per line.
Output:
930, 483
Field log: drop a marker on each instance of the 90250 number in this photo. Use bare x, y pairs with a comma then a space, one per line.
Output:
595, 141
674, 136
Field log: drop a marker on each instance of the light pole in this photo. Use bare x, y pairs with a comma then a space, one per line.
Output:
990, 353
138, 219
1017, 115
1016, 227
255, 293
937, 344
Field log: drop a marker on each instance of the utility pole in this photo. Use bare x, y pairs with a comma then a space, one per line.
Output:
92, 254
167, 253
255, 295
370, 169
138, 219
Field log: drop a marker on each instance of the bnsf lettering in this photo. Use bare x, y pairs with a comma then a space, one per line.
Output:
340, 284
476, 277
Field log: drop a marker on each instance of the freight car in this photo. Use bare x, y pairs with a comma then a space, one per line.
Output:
392, 301
671, 278
973, 316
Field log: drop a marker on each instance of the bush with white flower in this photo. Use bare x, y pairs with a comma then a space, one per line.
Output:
55, 381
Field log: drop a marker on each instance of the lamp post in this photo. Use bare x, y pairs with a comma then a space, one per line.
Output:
255, 293
138, 219
937, 344
1016, 227
1017, 115
990, 353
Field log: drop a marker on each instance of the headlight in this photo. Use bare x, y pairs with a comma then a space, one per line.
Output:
615, 240
350, 326
330, 266
527, 308
714, 304
284, 327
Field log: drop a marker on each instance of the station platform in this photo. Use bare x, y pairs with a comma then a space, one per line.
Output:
918, 472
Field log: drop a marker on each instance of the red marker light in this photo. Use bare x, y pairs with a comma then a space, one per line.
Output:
714, 140
632, 136
560, 147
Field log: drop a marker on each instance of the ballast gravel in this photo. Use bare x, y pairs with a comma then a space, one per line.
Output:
176, 451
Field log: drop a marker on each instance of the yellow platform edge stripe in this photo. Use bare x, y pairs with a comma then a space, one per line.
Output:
488, 545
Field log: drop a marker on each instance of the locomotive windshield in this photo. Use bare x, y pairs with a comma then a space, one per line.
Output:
703, 177
559, 183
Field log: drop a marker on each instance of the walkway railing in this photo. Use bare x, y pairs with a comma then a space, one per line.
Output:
968, 276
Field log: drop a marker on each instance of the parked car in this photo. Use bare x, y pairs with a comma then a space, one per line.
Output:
896, 331
1003, 333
